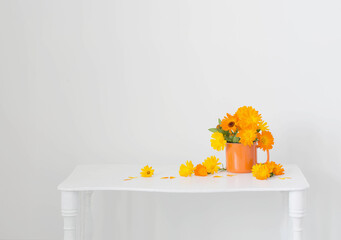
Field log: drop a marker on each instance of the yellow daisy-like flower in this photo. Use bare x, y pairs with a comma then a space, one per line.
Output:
260, 171
247, 136
212, 164
263, 126
218, 141
229, 123
248, 118
278, 169
187, 169
147, 171
265, 140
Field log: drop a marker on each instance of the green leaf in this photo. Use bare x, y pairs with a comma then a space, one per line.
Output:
213, 130
235, 139
230, 139
219, 121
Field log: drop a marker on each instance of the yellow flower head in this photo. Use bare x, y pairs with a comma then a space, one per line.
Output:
147, 171
229, 123
211, 164
263, 126
260, 171
247, 136
278, 170
248, 118
265, 140
218, 141
186, 169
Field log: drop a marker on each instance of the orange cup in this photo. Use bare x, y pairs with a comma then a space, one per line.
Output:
240, 158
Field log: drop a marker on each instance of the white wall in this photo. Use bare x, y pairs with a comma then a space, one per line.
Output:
141, 81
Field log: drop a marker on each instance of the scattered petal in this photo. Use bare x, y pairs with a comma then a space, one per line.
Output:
127, 179
132, 177
283, 178
171, 177
230, 175
218, 176
164, 178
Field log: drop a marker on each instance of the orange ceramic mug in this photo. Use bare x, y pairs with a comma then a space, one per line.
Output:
241, 158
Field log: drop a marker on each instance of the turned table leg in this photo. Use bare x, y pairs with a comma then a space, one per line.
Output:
85, 216
70, 204
296, 212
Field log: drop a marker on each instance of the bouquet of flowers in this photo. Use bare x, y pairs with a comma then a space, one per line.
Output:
246, 126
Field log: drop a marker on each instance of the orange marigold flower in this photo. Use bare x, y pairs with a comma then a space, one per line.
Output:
229, 123
278, 169
265, 140
200, 170
271, 166
260, 171
248, 118
247, 136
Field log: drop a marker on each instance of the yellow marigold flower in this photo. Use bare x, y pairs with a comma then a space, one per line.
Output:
147, 171
200, 170
186, 169
263, 126
247, 136
278, 169
260, 171
218, 141
229, 123
211, 164
265, 140
248, 118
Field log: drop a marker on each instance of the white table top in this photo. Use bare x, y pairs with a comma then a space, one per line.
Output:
111, 177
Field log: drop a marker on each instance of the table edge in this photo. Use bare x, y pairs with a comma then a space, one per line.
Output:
179, 191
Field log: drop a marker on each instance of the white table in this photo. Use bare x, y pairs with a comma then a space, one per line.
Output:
77, 189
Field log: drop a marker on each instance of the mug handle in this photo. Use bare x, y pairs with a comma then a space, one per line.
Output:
267, 154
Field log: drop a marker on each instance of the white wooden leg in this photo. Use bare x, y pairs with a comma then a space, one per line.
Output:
284, 224
297, 206
69, 212
85, 220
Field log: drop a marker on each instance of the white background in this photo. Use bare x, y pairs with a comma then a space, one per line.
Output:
142, 81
